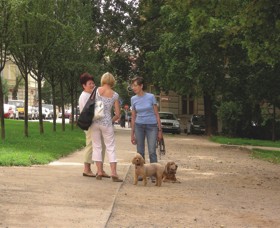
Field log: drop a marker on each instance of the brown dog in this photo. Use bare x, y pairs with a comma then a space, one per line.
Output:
146, 170
169, 174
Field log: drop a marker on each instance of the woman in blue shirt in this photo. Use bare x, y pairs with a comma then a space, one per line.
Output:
145, 121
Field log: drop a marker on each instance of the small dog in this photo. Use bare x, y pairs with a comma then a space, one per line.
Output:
169, 174
146, 170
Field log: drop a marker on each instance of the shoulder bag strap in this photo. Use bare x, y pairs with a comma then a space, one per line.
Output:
92, 96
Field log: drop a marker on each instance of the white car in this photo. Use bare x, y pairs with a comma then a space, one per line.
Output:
46, 113
169, 123
50, 107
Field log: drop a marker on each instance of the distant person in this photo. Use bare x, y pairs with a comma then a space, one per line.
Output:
11, 113
145, 121
122, 119
128, 118
88, 85
104, 126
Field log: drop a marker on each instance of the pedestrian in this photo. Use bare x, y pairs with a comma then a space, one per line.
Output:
145, 121
128, 118
88, 85
104, 126
122, 119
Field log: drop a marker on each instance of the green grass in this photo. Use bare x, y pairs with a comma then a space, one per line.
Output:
267, 155
264, 154
243, 141
17, 150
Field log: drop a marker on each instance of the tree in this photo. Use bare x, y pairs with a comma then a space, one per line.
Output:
6, 28
113, 36
260, 24
16, 86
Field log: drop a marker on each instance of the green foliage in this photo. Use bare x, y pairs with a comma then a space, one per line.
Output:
230, 115
260, 24
18, 150
225, 50
121, 88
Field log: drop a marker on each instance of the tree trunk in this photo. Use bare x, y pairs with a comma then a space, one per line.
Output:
3, 136
15, 88
40, 105
26, 106
54, 106
273, 123
62, 105
207, 112
210, 117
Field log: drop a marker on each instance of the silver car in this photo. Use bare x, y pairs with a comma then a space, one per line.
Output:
169, 123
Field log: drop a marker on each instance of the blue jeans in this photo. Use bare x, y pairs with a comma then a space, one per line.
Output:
150, 131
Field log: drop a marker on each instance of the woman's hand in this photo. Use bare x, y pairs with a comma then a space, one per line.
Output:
160, 137
133, 139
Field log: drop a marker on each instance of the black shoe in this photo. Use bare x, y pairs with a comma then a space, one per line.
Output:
140, 178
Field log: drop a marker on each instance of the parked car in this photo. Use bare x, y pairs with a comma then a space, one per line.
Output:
169, 123
67, 114
196, 125
50, 107
35, 112
46, 113
31, 113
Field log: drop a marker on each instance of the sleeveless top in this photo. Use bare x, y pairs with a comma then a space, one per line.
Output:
108, 104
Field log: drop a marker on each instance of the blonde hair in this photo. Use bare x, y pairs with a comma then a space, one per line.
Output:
108, 79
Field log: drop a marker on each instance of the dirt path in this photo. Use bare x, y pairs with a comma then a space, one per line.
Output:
221, 187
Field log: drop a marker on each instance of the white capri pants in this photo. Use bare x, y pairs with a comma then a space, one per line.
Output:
109, 140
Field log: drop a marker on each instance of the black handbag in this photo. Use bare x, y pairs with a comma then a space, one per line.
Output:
86, 117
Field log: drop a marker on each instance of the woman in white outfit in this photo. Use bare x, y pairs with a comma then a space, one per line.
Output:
104, 127
87, 82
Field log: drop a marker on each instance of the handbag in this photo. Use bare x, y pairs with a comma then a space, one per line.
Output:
98, 110
87, 114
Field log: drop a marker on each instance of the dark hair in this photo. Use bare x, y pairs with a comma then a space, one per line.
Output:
138, 80
85, 77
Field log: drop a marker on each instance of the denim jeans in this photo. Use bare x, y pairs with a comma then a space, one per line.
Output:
150, 131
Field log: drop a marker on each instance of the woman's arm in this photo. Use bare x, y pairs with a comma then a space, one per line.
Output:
133, 117
158, 122
117, 111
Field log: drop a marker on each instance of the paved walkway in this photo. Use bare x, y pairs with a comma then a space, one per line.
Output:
57, 195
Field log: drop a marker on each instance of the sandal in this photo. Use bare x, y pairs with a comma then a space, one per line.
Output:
104, 175
116, 179
98, 177
89, 174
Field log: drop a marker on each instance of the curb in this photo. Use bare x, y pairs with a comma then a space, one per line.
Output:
115, 196
250, 148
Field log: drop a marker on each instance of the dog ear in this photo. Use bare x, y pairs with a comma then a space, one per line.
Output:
167, 166
133, 160
142, 161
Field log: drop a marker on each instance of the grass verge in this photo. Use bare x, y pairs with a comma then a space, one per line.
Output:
263, 154
36, 149
267, 155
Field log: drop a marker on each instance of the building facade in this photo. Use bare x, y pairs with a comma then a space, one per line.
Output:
182, 106
10, 75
